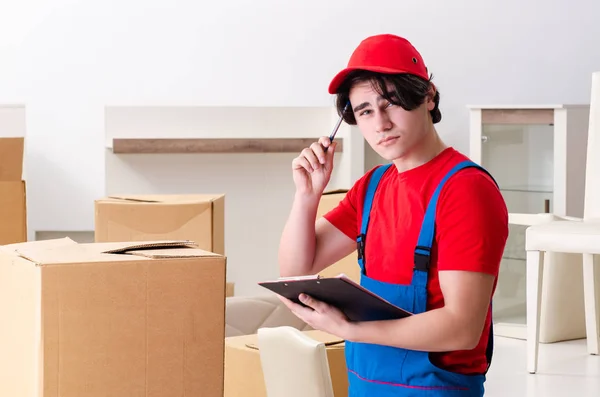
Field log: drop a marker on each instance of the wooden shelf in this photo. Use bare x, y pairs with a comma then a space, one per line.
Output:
209, 145
517, 116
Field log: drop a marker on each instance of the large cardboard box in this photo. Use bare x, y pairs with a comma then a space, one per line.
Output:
111, 319
243, 370
199, 218
13, 207
349, 264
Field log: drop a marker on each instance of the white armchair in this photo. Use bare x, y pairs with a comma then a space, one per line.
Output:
568, 235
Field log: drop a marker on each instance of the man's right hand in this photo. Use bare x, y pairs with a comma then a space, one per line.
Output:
312, 168
308, 245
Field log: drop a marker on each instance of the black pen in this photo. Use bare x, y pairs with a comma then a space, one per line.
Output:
337, 125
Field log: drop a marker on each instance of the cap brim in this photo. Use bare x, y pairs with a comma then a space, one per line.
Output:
341, 76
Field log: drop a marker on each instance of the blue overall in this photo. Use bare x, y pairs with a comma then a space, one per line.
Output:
382, 371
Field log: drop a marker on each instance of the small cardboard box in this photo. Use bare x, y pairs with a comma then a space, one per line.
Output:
111, 319
243, 370
13, 206
349, 264
199, 218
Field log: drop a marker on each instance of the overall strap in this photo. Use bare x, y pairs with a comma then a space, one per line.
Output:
425, 242
366, 213
422, 256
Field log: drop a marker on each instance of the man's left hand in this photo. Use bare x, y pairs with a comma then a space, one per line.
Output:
321, 316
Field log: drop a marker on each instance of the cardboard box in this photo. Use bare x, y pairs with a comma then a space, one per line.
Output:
243, 370
349, 264
13, 205
199, 218
111, 319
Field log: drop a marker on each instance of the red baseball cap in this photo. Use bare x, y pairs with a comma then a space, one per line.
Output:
385, 53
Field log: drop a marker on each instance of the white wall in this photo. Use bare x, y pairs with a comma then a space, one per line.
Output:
67, 59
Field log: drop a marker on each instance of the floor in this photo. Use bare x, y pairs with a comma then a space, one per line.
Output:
564, 369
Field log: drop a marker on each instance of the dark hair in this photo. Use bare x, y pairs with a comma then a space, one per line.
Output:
409, 92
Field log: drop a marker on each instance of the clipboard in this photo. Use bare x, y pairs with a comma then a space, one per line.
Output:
356, 302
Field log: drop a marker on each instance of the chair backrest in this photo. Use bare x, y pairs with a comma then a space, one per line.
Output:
244, 315
592, 169
293, 364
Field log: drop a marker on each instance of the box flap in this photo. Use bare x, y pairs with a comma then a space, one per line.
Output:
335, 191
172, 253
52, 254
141, 199
39, 245
124, 247
163, 198
34, 250
11, 159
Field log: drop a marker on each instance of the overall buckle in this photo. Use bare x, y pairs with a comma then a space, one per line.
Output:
360, 245
422, 258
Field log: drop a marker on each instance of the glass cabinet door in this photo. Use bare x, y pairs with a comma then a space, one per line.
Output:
521, 159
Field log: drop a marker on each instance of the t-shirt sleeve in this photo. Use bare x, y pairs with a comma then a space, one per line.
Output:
344, 216
472, 224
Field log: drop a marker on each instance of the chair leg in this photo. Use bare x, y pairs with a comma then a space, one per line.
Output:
590, 294
535, 271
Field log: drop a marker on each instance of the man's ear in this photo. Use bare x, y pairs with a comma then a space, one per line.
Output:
430, 96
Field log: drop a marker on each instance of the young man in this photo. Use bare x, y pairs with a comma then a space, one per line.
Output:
431, 242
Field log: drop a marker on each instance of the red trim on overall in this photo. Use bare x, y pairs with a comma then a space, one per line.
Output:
408, 386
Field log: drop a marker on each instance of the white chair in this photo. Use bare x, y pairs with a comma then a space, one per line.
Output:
293, 364
580, 236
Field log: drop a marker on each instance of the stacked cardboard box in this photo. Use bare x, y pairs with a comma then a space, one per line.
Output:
13, 208
199, 218
111, 319
349, 264
138, 312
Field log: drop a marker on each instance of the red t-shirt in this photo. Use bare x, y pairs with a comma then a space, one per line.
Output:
471, 232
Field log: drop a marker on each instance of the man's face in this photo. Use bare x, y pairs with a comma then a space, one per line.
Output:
391, 131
